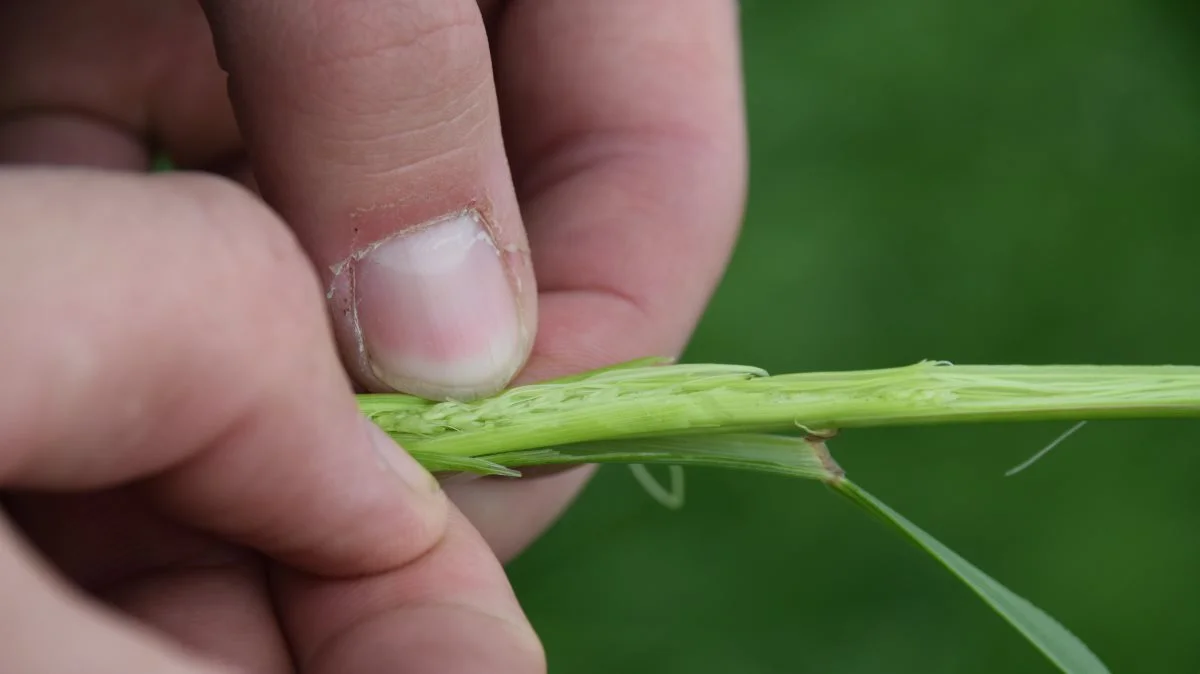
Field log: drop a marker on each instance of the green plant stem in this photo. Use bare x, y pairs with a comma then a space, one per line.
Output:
643, 401
729, 417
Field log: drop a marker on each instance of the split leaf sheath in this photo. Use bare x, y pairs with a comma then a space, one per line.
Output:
641, 400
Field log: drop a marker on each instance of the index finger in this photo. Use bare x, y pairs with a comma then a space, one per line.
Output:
628, 149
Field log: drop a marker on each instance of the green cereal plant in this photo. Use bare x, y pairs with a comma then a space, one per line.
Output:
727, 416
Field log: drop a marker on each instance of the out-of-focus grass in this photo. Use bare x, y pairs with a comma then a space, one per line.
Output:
975, 182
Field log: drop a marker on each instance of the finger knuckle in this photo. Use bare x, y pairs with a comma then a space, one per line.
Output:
371, 56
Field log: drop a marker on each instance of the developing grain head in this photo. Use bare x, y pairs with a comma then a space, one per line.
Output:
650, 401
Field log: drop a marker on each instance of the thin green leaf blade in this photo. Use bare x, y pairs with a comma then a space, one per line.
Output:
439, 463
1058, 644
801, 457
775, 454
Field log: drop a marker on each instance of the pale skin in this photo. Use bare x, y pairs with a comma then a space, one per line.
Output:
180, 359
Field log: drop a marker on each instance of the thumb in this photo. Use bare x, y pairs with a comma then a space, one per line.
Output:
373, 128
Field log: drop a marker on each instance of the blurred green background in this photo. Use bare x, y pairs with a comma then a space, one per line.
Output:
976, 182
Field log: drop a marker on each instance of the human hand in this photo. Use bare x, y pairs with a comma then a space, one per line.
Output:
618, 177
180, 445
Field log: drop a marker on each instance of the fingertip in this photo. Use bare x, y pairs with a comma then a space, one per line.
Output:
67, 138
423, 485
434, 638
511, 514
451, 610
